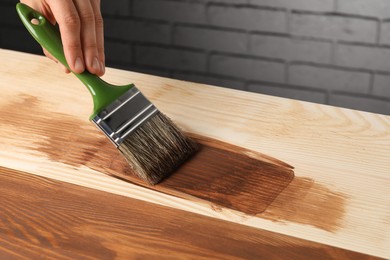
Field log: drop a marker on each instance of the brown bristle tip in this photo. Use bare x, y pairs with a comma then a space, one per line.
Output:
157, 148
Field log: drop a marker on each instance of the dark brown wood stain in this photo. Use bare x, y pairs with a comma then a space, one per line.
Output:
309, 203
45, 218
223, 177
223, 174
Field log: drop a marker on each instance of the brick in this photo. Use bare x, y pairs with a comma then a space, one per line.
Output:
329, 79
117, 7
247, 68
368, 104
140, 69
18, 39
289, 92
210, 80
381, 85
234, 2
291, 49
210, 39
137, 31
151, 71
334, 27
9, 2
371, 58
9, 16
173, 11
306, 5
385, 33
182, 60
247, 18
373, 8
118, 51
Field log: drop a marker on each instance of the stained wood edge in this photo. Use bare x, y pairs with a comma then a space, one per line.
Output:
41, 216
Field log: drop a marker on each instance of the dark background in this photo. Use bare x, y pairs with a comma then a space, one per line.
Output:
325, 51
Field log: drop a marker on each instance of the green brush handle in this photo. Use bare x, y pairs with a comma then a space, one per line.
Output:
49, 37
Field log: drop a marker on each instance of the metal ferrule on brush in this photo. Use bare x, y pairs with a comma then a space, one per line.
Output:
123, 116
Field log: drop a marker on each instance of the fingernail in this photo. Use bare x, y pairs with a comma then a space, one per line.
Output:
79, 65
103, 69
96, 65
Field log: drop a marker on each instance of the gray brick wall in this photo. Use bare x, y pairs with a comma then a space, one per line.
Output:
325, 51
333, 27
12, 33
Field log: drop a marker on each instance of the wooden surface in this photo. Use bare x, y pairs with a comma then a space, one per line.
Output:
64, 221
339, 197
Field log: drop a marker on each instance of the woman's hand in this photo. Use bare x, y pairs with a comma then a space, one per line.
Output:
81, 28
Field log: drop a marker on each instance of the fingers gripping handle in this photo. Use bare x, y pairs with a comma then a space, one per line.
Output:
49, 37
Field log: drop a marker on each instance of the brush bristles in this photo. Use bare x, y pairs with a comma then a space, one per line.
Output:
157, 148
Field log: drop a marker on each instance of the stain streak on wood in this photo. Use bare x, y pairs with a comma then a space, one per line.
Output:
42, 217
309, 203
222, 174
222, 177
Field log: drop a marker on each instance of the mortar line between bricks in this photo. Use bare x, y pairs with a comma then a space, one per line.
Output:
248, 6
139, 68
7, 5
211, 27
283, 85
167, 46
136, 19
333, 51
214, 81
335, 5
245, 86
118, 40
133, 54
338, 14
288, 21
360, 95
178, 1
371, 82
327, 97
172, 27
311, 38
131, 7
369, 45
249, 47
207, 13
171, 73
116, 17
210, 74
208, 61
249, 57
19, 28
327, 66
383, 73
378, 32
287, 72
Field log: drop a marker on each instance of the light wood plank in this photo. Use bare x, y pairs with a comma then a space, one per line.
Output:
340, 156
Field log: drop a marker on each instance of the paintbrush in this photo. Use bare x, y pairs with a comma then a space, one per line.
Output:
152, 144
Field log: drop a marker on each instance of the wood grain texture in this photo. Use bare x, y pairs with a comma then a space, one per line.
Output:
341, 158
223, 175
43, 218
219, 173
